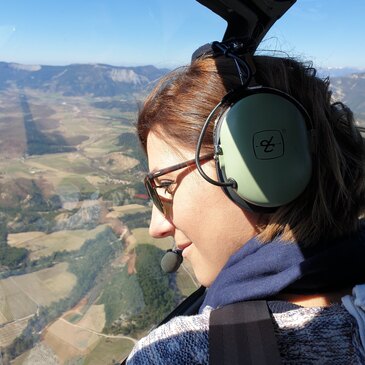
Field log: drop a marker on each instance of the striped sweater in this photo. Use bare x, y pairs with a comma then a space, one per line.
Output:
319, 335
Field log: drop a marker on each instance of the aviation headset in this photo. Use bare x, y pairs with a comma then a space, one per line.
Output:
261, 141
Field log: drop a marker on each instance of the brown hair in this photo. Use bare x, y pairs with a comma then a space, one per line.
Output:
333, 200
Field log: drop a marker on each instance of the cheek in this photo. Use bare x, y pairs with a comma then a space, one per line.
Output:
194, 207
186, 200
189, 202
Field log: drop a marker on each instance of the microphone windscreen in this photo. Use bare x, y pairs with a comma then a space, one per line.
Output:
171, 261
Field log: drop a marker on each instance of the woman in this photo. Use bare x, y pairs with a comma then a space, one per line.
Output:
302, 252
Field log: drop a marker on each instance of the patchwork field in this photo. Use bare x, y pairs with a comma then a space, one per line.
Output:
11, 331
109, 351
77, 166
116, 162
14, 302
41, 245
21, 295
94, 318
62, 163
61, 169
141, 235
91, 133
40, 354
19, 239
120, 211
82, 338
78, 338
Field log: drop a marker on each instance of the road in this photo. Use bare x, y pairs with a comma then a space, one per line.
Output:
99, 333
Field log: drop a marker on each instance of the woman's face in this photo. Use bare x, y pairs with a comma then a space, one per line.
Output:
203, 221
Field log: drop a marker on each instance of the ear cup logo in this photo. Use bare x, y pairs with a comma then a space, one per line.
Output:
268, 144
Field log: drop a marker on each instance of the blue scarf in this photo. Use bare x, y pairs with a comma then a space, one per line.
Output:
262, 270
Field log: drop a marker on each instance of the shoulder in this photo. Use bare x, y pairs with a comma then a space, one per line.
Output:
299, 316
183, 340
316, 335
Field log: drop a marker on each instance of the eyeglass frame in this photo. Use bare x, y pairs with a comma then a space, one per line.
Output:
150, 184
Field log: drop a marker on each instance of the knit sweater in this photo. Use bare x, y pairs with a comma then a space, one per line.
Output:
319, 335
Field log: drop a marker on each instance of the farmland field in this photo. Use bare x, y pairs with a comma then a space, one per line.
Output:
15, 303
21, 297
120, 211
72, 335
18, 239
46, 285
142, 236
11, 331
94, 318
40, 244
71, 340
39, 354
109, 350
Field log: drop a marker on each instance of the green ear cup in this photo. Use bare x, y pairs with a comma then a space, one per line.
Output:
264, 144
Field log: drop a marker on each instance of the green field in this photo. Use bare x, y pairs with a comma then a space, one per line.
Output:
109, 350
14, 169
122, 296
63, 162
20, 295
45, 245
73, 317
14, 302
81, 183
142, 236
11, 331
120, 211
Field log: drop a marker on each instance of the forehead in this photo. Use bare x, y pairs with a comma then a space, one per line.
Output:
163, 152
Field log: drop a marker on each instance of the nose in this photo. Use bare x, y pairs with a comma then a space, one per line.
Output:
160, 227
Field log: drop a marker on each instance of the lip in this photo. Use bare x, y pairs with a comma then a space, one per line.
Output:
182, 246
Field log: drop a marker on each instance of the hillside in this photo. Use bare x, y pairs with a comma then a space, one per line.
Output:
100, 80
351, 90
79, 79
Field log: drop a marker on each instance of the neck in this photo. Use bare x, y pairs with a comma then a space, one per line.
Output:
315, 300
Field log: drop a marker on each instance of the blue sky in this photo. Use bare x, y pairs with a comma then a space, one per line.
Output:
166, 32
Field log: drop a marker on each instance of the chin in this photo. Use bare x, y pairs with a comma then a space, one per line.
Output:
204, 279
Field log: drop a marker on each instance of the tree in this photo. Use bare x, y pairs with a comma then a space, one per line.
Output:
3, 233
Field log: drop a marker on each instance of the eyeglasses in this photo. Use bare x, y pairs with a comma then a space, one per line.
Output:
164, 198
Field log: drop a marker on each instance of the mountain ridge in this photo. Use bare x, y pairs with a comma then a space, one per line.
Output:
333, 72
79, 79
351, 90
103, 80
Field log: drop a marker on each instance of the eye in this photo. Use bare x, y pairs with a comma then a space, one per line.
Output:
166, 187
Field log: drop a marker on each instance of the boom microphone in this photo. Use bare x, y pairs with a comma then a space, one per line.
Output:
171, 261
